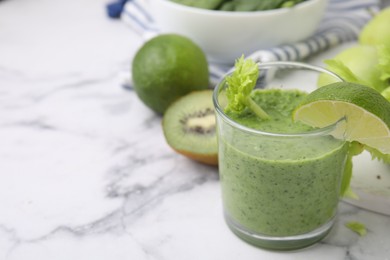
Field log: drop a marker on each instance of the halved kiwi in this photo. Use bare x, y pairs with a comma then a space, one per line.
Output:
189, 127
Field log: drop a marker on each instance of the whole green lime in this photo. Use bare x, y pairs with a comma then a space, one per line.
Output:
167, 67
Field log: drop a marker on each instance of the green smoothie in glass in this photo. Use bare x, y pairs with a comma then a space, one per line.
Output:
280, 179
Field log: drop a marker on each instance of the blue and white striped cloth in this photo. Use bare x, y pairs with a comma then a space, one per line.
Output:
342, 22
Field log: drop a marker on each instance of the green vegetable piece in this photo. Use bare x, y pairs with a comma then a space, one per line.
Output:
245, 5
239, 5
289, 4
269, 4
204, 4
240, 85
384, 62
377, 30
355, 148
359, 64
227, 6
275, 4
343, 71
357, 227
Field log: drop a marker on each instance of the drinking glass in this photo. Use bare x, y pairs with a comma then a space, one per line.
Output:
280, 190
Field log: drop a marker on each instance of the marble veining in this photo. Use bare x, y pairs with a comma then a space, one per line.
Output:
85, 172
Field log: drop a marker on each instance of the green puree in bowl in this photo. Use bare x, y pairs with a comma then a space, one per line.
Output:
279, 186
239, 5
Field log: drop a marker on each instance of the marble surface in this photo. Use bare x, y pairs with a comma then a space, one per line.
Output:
85, 172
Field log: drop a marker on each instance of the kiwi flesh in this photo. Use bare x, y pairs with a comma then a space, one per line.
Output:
189, 127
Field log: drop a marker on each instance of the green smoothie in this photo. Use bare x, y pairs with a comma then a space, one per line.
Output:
276, 185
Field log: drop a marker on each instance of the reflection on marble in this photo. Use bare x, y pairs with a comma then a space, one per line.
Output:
85, 172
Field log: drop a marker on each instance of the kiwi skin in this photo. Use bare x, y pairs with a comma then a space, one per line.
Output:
210, 159
186, 139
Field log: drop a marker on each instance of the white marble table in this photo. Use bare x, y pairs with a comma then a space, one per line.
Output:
85, 172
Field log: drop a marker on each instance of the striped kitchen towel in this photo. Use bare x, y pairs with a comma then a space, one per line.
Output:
342, 22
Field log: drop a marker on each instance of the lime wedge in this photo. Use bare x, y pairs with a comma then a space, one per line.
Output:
366, 113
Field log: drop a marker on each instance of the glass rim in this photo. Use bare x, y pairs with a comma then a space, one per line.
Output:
311, 133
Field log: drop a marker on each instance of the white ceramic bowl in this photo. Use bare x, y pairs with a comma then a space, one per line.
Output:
225, 36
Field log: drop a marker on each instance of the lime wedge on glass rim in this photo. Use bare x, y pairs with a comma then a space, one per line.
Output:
366, 113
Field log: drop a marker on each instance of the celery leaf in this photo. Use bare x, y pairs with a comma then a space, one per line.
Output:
240, 85
377, 155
